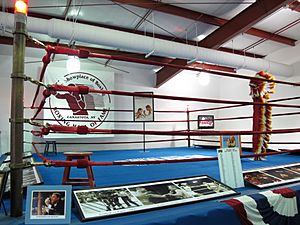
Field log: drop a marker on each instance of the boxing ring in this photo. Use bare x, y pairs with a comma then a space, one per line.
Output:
209, 212
110, 169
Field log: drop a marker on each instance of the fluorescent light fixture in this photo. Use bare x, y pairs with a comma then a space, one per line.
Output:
200, 37
149, 54
191, 61
157, 69
73, 64
74, 13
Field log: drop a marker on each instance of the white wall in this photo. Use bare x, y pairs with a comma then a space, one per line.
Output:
138, 79
239, 90
142, 79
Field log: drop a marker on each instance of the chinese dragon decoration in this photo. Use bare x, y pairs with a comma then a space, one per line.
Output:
262, 114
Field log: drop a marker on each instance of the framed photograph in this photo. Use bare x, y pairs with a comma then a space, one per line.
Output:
30, 175
48, 204
3, 181
111, 201
25, 155
272, 176
295, 168
231, 141
143, 108
206, 122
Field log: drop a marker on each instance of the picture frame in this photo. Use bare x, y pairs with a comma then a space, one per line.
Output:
206, 122
26, 154
31, 175
104, 202
273, 176
48, 204
231, 141
3, 181
143, 108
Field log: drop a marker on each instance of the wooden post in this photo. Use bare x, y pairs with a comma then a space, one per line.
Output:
17, 115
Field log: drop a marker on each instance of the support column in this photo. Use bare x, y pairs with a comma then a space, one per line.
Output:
17, 114
188, 125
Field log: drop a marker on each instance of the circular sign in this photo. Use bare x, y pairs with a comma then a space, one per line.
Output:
74, 109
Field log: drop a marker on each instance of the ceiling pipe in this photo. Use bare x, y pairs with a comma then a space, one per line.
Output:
61, 29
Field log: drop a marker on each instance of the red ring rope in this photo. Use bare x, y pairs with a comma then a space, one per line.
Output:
64, 163
86, 130
86, 89
58, 87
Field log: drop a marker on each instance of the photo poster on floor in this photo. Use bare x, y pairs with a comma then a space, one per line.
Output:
72, 109
230, 167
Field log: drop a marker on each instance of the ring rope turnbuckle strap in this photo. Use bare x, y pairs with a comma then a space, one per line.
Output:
23, 165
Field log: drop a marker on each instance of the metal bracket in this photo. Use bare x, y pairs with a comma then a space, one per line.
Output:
47, 164
36, 41
22, 165
19, 32
36, 82
35, 123
18, 75
18, 120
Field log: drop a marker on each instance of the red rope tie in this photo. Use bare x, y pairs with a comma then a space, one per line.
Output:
82, 130
46, 93
82, 163
83, 53
39, 154
80, 89
45, 131
83, 89
46, 59
37, 133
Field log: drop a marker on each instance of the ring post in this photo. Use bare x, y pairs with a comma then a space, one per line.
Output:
188, 125
144, 136
17, 108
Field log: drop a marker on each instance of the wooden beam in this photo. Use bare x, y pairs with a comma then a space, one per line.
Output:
242, 22
208, 66
295, 6
204, 18
166, 73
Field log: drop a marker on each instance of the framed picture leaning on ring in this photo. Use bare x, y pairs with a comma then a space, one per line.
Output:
3, 180
48, 204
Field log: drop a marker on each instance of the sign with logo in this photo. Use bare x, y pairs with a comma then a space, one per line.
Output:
206, 122
83, 109
230, 167
231, 141
73, 109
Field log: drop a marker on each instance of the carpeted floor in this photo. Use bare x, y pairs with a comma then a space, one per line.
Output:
207, 212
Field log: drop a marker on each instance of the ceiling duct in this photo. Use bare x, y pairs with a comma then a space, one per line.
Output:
61, 29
